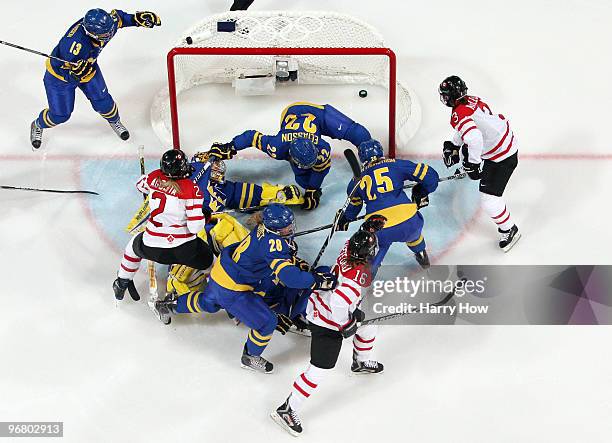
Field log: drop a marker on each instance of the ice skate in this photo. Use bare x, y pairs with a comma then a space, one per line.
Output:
164, 308
422, 259
35, 135
367, 367
255, 363
509, 238
120, 130
287, 419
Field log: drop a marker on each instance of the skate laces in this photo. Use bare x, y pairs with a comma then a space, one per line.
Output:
294, 417
371, 364
258, 361
505, 235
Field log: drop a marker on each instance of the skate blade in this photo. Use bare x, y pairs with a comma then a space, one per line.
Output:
279, 421
516, 238
243, 366
366, 372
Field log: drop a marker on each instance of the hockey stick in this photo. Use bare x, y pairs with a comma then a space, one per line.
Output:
153, 296
356, 168
382, 318
13, 45
57, 191
456, 176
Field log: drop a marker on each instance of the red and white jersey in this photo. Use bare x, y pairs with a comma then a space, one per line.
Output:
332, 309
176, 210
487, 135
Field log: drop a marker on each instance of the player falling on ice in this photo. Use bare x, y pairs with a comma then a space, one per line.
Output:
300, 142
489, 151
334, 315
268, 249
219, 193
81, 46
176, 218
381, 189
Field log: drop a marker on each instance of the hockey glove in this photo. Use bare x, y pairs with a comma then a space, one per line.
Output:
312, 197
301, 263
342, 223
351, 328
374, 224
81, 69
420, 196
283, 323
147, 19
450, 153
290, 192
223, 151
472, 169
325, 281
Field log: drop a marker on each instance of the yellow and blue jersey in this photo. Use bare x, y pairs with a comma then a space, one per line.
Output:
260, 255
381, 189
218, 196
76, 45
309, 121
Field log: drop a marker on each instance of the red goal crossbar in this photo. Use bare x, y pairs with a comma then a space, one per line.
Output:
281, 52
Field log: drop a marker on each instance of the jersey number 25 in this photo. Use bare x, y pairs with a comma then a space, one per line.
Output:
383, 183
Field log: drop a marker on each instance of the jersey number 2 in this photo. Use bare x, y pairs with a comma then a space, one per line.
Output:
162, 205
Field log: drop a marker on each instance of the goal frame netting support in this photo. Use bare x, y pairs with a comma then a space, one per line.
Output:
331, 51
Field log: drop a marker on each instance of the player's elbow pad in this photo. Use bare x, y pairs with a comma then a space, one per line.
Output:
430, 182
292, 277
357, 134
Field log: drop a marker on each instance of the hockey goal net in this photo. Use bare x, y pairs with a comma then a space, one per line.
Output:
274, 47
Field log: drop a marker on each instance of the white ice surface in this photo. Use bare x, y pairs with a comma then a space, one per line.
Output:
112, 373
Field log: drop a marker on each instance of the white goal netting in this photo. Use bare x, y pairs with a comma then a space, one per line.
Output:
281, 29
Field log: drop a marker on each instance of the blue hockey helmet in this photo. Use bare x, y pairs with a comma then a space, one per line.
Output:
369, 150
303, 153
99, 24
279, 219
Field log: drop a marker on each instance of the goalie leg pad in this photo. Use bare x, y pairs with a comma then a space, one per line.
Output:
227, 230
140, 215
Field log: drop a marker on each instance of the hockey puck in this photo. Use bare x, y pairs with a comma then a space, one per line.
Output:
363, 93
189, 40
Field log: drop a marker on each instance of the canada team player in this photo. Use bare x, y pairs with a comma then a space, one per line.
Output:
176, 218
267, 250
489, 151
334, 315
81, 46
381, 189
300, 142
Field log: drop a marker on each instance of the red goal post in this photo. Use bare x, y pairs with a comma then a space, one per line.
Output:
357, 52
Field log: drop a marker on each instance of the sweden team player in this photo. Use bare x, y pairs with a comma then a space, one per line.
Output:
219, 193
380, 188
299, 141
267, 250
81, 46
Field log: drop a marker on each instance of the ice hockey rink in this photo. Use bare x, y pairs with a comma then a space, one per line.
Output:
113, 373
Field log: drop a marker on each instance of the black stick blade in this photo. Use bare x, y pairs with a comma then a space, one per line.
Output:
352, 160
